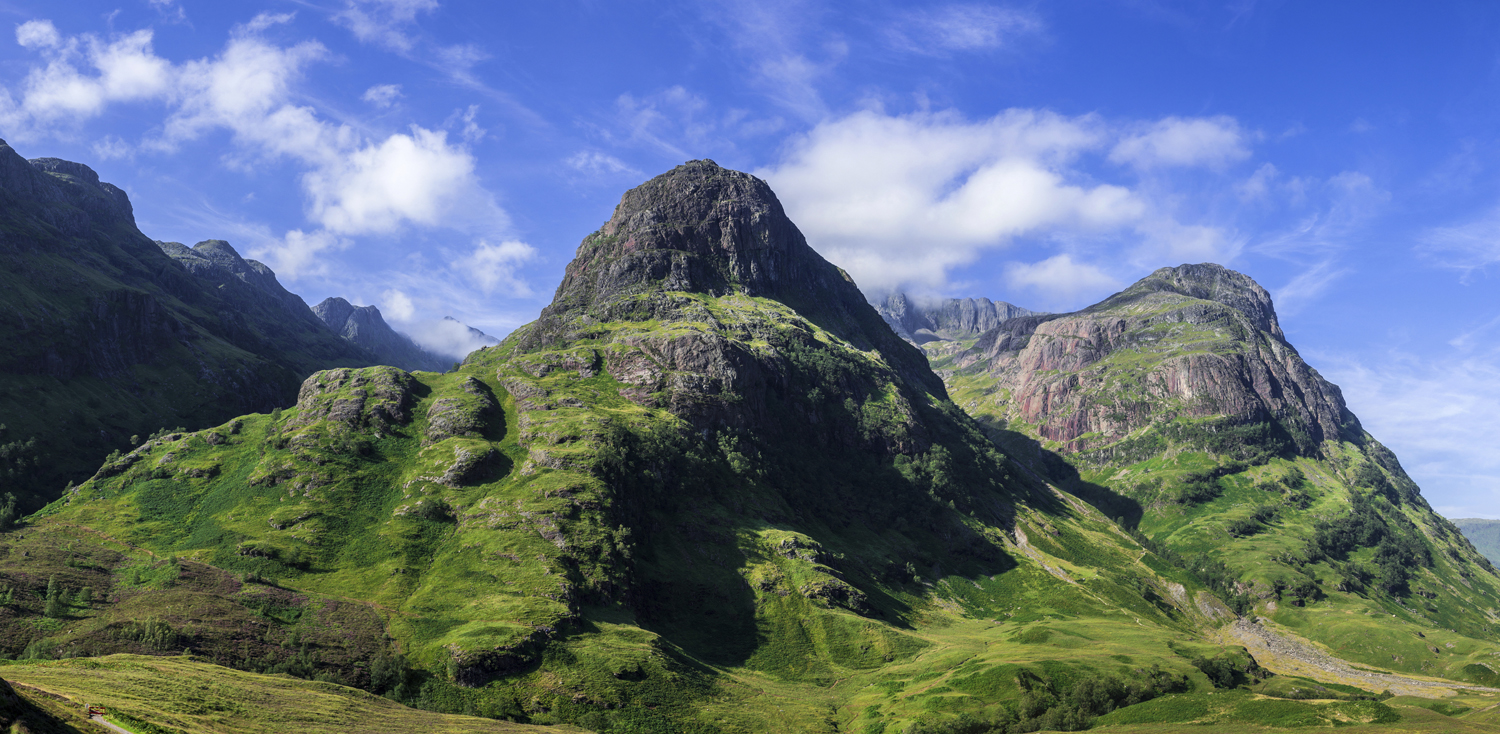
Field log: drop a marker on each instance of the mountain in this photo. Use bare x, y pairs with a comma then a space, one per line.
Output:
107, 337
365, 327
920, 321
710, 490
263, 309
472, 333
1178, 406
1484, 534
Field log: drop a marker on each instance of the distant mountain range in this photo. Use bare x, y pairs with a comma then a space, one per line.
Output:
923, 320
363, 325
1485, 534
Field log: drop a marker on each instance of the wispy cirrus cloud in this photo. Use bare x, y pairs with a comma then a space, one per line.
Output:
1439, 413
1469, 247
384, 22
962, 27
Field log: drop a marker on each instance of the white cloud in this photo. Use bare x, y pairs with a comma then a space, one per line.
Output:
59, 94
38, 34
901, 200
1346, 205
382, 95
1176, 141
962, 28
112, 147
471, 132
448, 337
263, 21
383, 22
170, 10
786, 51
398, 306
1258, 186
1060, 279
1308, 286
299, 254
377, 187
494, 266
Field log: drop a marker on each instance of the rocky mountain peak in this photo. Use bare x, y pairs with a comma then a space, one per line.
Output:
364, 326
923, 320
1202, 338
698, 228
47, 182
702, 209
97, 195
1210, 282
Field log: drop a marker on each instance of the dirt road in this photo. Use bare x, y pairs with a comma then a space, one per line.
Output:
1289, 655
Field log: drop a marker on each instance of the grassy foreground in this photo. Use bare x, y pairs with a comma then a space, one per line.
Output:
184, 694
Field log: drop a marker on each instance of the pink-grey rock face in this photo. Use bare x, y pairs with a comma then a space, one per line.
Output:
1195, 341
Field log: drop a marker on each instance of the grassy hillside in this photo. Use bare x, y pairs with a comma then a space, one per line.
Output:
186, 695
508, 572
513, 581
1484, 534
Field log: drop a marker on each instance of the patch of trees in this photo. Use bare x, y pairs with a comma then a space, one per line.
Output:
1046, 706
1246, 526
1398, 547
1203, 486
1252, 443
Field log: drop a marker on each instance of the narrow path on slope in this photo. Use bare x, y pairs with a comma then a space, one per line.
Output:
97, 719
1290, 655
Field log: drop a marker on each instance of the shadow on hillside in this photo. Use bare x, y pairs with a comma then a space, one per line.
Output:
1054, 468
816, 568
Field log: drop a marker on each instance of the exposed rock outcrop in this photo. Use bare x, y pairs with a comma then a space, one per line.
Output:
1196, 341
374, 398
701, 230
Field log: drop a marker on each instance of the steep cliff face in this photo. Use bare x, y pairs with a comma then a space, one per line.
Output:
106, 336
920, 321
1193, 342
364, 327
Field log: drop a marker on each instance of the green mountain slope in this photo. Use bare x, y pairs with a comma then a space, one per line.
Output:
1484, 534
107, 337
186, 695
1178, 406
707, 490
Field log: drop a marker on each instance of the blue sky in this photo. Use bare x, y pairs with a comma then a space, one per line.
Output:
442, 157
